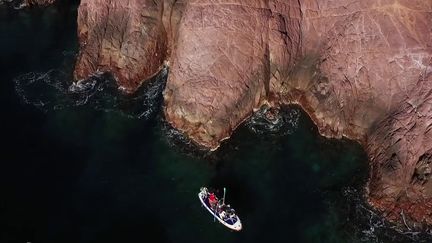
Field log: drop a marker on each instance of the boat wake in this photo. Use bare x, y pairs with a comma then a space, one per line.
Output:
54, 90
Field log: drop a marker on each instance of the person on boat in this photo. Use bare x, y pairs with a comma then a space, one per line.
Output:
223, 215
231, 213
212, 200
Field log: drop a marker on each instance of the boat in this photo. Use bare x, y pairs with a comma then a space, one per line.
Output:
220, 211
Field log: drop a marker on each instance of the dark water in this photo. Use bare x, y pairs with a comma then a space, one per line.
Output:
85, 164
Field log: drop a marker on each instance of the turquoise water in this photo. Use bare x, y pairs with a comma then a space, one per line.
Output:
95, 166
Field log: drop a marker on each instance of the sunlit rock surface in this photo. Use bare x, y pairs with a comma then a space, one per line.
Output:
400, 150
126, 38
361, 69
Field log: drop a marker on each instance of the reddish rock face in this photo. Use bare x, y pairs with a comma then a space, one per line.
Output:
226, 58
368, 56
366, 74
361, 69
126, 38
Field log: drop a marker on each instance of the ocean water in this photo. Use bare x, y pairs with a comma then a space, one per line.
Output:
85, 164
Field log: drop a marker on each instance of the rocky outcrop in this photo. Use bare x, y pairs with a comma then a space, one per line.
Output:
234, 60
361, 69
217, 82
365, 73
360, 59
126, 38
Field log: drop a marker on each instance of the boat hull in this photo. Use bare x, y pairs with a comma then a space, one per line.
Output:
237, 226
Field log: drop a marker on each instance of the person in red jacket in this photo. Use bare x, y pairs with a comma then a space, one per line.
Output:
212, 200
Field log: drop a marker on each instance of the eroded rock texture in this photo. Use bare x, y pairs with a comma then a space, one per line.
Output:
126, 38
365, 74
400, 150
360, 58
361, 69
227, 53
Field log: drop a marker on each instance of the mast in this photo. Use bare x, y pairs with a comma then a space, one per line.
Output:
223, 199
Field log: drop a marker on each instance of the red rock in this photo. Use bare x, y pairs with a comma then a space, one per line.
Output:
370, 80
400, 152
126, 38
219, 68
210, 93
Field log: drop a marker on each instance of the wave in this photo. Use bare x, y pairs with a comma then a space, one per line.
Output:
54, 90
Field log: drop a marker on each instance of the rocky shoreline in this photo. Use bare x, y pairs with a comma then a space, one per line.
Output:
360, 69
